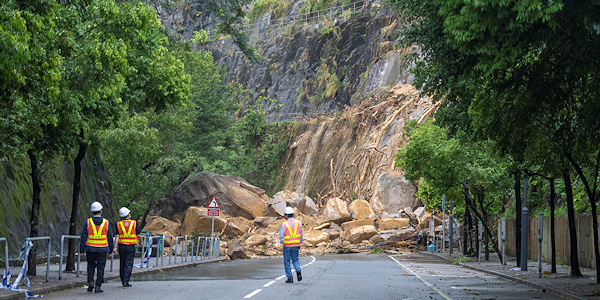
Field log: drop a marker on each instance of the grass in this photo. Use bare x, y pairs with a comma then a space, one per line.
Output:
376, 250
278, 7
461, 259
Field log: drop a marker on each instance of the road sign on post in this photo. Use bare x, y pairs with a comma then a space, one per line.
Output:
213, 211
213, 208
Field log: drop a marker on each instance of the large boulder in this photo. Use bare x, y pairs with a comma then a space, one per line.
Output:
393, 223
361, 209
347, 226
196, 220
274, 208
256, 240
336, 210
161, 225
300, 202
362, 233
235, 250
314, 237
393, 192
235, 196
403, 235
262, 222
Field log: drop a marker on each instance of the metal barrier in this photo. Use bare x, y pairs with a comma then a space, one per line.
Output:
149, 249
198, 248
213, 247
62, 244
39, 238
5, 256
185, 248
163, 247
112, 257
177, 245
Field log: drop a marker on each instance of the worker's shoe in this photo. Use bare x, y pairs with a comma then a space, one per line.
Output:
289, 280
98, 290
299, 276
90, 287
126, 284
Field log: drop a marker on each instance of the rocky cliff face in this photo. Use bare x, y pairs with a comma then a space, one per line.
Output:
337, 59
56, 201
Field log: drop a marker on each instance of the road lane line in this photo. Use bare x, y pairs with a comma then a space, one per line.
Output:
423, 280
252, 294
270, 282
310, 263
273, 281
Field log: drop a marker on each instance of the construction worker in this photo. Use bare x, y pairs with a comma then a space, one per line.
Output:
290, 236
127, 236
96, 241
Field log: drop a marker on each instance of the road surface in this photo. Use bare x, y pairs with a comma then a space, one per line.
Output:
345, 276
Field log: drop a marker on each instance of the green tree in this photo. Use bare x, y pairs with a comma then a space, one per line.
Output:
517, 76
447, 164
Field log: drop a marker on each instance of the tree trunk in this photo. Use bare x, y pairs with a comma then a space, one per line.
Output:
572, 230
75, 206
467, 236
35, 211
592, 197
518, 207
552, 235
487, 230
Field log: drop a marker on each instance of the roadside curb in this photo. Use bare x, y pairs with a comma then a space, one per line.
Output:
83, 281
544, 288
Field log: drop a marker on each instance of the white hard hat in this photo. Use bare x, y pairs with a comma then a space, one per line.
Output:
288, 211
96, 207
123, 212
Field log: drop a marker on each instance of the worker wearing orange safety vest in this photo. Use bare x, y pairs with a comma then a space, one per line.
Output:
290, 236
126, 239
96, 241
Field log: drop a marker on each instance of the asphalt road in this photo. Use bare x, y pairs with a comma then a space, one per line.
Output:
347, 276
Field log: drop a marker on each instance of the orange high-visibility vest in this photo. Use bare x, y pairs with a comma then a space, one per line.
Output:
97, 234
127, 234
291, 233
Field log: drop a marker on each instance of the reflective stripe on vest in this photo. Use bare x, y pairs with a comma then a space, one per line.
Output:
127, 234
97, 234
291, 234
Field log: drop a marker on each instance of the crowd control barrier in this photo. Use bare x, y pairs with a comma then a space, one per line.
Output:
41, 238
62, 243
5, 256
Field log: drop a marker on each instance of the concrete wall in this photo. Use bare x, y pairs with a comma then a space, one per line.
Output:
585, 240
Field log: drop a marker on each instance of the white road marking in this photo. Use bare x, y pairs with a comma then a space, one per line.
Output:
423, 280
252, 294
270, 282
273, 281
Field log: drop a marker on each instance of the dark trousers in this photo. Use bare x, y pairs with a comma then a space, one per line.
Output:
95, 260
126, 255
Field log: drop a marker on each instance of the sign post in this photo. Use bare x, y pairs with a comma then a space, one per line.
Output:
540, 238
213, 211
444, 223
524, 228
503, 234
480, 237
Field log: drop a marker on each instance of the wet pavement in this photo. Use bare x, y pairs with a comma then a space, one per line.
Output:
342, 276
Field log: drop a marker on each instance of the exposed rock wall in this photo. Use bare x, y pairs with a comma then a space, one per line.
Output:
56, 199
353, 152
308, 68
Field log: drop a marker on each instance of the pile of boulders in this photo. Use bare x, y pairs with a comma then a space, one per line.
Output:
339, 226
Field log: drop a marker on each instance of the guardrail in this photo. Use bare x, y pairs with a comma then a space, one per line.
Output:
62, 243
163, 247
185, 242
40, 238
213, 244
5, 256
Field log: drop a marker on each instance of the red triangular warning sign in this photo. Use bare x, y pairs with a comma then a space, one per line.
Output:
213, 203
